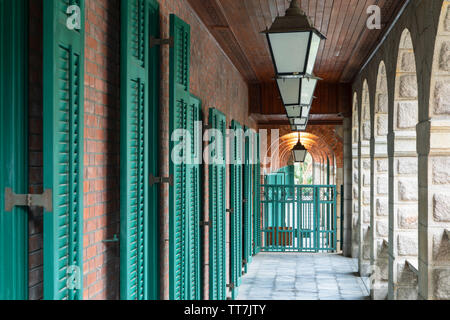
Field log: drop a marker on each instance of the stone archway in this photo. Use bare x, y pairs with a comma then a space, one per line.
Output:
434, 175
379, 190
403, 176
364, 198
355, 178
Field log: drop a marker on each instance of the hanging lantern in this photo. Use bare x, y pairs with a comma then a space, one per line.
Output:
299, 151
297, 91
294, 42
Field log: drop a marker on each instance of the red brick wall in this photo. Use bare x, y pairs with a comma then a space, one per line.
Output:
35, 176
216, 81
102, 144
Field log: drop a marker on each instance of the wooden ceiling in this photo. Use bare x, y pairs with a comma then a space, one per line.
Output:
236, 24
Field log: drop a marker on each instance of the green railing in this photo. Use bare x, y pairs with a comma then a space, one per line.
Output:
299, 218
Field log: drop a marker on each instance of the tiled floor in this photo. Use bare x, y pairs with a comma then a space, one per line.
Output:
296, 276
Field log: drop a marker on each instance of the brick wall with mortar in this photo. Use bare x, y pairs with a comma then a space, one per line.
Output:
101, 147
215, 80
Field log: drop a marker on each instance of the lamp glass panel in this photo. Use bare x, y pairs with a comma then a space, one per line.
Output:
294, 111
298, 121
315, 43
305, 111
289, 51
300, 155
307, 89
289, 89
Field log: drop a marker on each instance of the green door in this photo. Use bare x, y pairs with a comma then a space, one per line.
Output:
13, 148
248, 199
63, 152
236, 207
139, 136
217, 210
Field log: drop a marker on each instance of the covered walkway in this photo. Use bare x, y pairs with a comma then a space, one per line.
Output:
297, 276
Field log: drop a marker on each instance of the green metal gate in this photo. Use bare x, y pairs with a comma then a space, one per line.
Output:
299, 218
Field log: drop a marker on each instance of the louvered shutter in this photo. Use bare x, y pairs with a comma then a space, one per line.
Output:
236, 206
179, 200
217, 210
193, 213
63, 151
257, 198
134, 150
247, 252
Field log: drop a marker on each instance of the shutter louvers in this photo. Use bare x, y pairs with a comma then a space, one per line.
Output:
63, 152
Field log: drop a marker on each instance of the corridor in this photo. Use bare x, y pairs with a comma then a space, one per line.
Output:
296, 276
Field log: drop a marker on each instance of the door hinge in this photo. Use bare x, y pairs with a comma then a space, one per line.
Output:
231, 286
28, 200
244, 200
158, 180
205, 224
158, 42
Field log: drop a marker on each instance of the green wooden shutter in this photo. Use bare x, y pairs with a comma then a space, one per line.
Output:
193, 280
248, 199
63, 151
217, 210
179, 197
236, 206
257, 198
13, 148
153, 152
136, 91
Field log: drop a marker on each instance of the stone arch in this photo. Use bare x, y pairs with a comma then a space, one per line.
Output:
364, 198
403, 177
379, 190
434, 176
355, 177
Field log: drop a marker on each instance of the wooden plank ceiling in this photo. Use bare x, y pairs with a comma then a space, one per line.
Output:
236, 24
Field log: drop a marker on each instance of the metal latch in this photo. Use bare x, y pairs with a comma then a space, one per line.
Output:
157, 180
231, 286
244, 200
28, 200
230, 210
114, 239
158, 42
205, 224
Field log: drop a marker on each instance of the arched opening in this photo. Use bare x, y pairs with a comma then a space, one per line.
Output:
379, 212
434, 177
355, 178
403, 228
365, 135
303, 172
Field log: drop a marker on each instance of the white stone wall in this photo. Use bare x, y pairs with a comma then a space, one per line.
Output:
416, 103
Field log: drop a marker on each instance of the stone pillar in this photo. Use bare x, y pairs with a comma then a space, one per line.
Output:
348, 189
379, 218
356, 198
364, 255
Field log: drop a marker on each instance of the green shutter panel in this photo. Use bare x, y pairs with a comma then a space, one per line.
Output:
236, 206
247, 252
134, 132
179, 199
152, 155
13, 148
217, 210
193, 213
257, 198
63, 151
